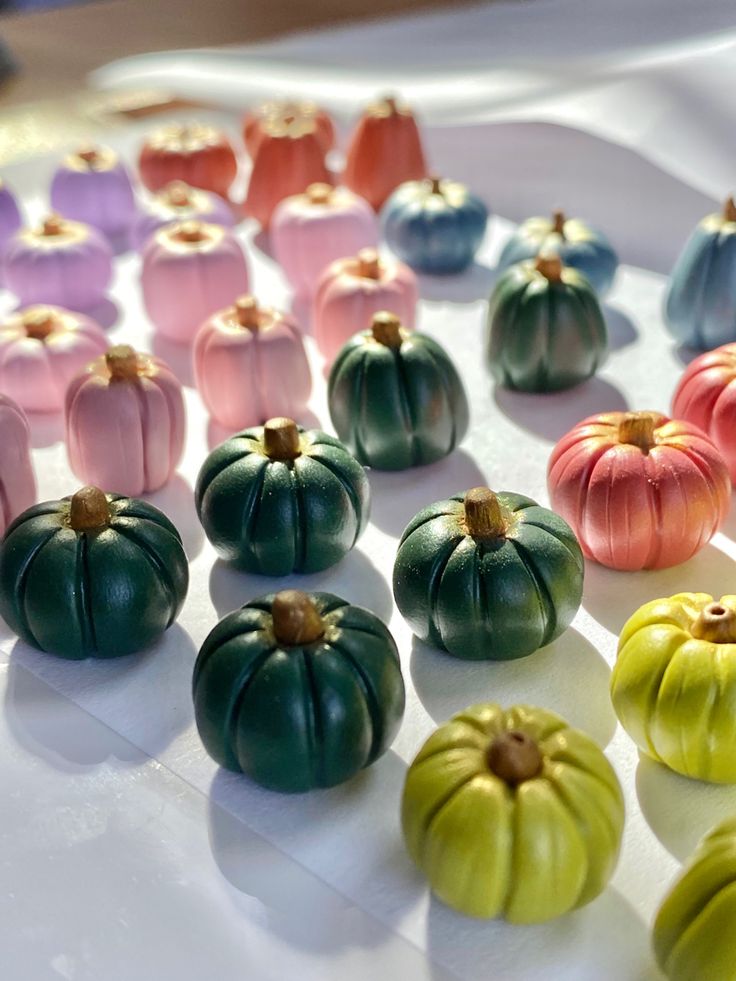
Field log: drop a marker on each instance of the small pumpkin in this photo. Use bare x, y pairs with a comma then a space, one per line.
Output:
700, 303
435, 226
92, 575
93, 185
277, 499
174, 203
674, 684
545, 327
641, 491
17, 479
193, 152
693, 931
11, 219
512, 813
395, 398
286, 111
298, 690
578, 245
488, 576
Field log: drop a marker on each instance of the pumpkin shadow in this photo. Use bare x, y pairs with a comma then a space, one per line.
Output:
106, 313
301, 309
217, 433
261, 242
680, 810
47, 428
397, 495
621, 330
176, 500
177, 356
552, 414
686, 354
51, 727
475, 283
611, 597
355, 579
552, 678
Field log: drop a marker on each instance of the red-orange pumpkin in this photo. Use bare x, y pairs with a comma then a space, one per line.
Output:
640, 491
287, 112
200, 155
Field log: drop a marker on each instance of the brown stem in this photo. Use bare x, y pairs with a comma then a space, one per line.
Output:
716, 623
53, 225
515, 757
386, 329
550, 266
484, 514
90, 155
295, 618
281, 439
637, 429
729, 209
319, 193
558, 222
369, 265
435, 185
391, 104
89, 509
122, 362
190, 231
176, 194
246, 312
39, 322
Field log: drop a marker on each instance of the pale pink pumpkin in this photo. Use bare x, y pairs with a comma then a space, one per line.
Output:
125, 422
311, 230
41, 349
17, 480
190, 269
351, 290
250, 365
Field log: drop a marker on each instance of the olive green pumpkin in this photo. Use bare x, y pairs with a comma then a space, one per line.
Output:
693, 932
298, 690
93, 575
545, 327
395, 398
488, 577
512, 814
277, 499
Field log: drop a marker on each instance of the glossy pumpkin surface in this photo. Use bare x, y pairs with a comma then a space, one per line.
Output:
395, 398
641, 491
693, 931
277, 499
488, 577
95, 575
674, 684
545, 329
513, 814
298, 690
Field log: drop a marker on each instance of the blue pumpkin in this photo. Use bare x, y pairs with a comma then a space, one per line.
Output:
577, 244
435, 226
700, 305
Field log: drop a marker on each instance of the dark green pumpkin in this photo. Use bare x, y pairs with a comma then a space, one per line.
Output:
277, 499
93, 575
488, 577
298, 690
545, 327
395, 398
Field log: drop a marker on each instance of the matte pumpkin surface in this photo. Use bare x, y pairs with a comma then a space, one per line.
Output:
298, 690
395, 398
674, 684
277, 499
94, 575
545, 328
693, 931
488, 577
511, 813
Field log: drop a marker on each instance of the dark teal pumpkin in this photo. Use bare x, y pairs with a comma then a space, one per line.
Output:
545, 327
488, 577
94, 575
277, 499
298, 690
395, 398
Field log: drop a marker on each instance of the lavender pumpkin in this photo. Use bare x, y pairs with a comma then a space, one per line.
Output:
10, 222
92, 185
179, 202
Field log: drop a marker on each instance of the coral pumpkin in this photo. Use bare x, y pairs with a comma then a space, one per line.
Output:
385, 150
641, 491
254, 123
17, 480
198, 154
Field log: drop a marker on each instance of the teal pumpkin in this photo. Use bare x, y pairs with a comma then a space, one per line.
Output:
95, 575
700, 304
488, 577
277, 499
298, 690
395, 398
545, 327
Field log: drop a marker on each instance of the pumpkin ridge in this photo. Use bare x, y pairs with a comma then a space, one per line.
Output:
241, 686
705, 268
546, 603
206, 653
575, 763
20, 584
83, 598
434, 587
315, 725
694, 455
562, 793
252, 506
445, 385
347, 487
358, 393
369, 696
575, 556
158, 567
686, 770
148, 517
300, 529
210, 477
690, 929
573, 812
408, 410
444, 800
143, 415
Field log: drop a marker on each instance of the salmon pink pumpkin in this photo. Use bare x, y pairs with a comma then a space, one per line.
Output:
254, 123
198, 154
640, 491
17, 480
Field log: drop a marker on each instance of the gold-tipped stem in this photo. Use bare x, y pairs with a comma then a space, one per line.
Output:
435, 185
122, 363
247, 312
281, 439
190, 231
729, 209
369, 265
550, 266
53, 225
515, 757
39, 322
89, 510
715, 623
637, 429
386, 329
484, 514
296, 620
90, 155
319, 193
177, 194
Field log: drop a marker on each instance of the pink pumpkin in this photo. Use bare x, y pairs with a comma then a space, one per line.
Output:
41, 349
190, 269
250, 365
17, 481
125, 422
706, 396
311, 230
351, 290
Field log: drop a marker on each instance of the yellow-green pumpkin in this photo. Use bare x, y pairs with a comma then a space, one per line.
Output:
674, 684
511, 813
